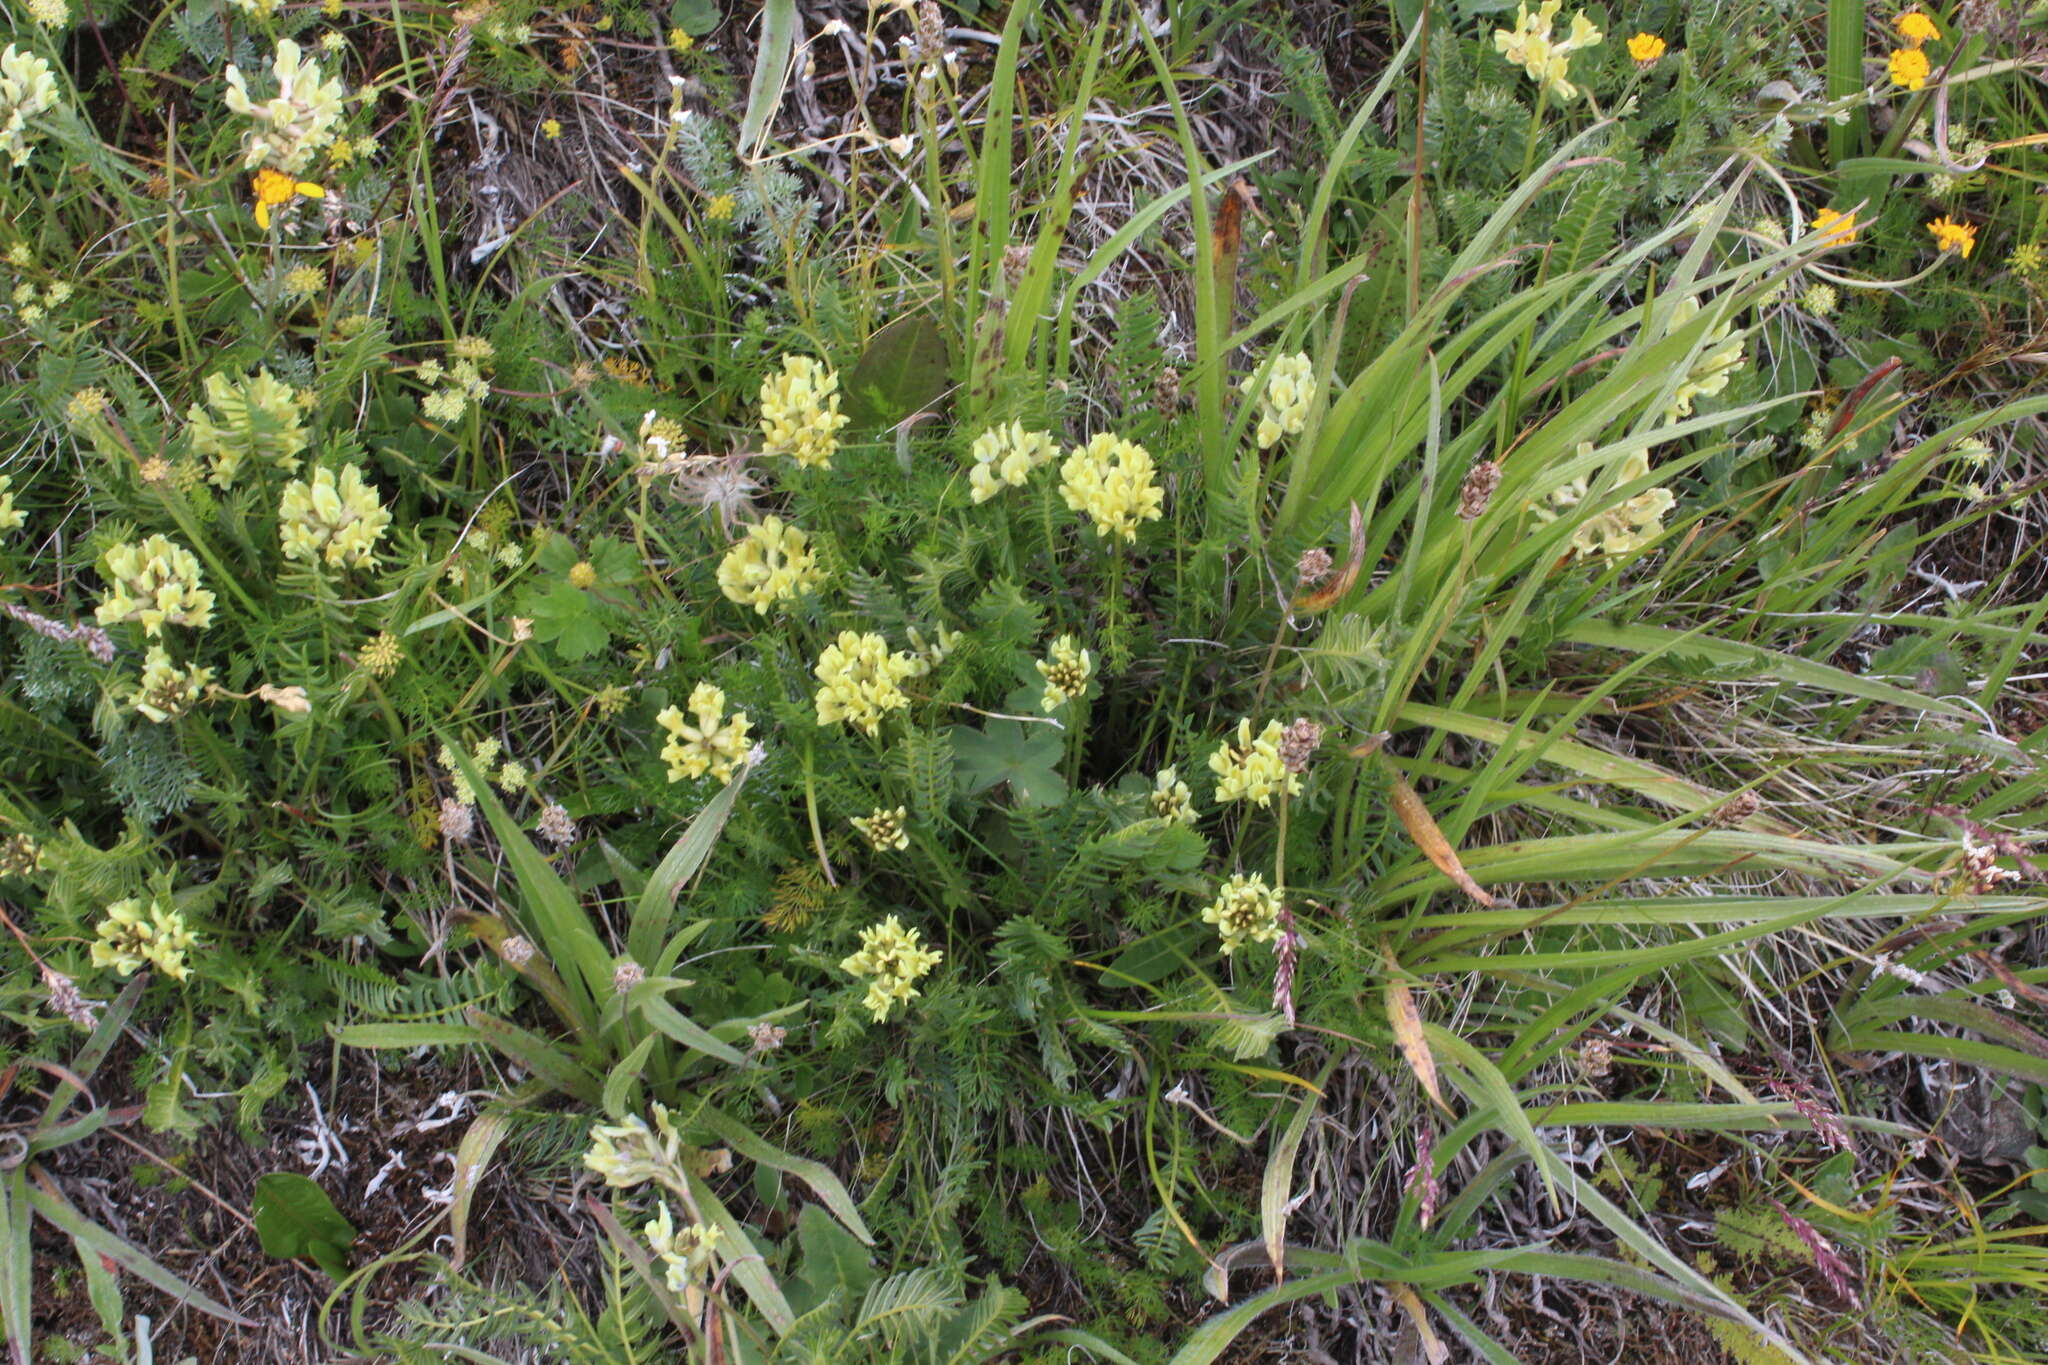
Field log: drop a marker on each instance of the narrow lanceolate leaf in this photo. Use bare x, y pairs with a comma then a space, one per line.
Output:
1410, 1038
1278, 1180
1422, 828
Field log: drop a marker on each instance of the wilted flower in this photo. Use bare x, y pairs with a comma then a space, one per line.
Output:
627, 974
1115, 482
134, 935
1284, 401
883, 829
1477, 491
714, 743
892, 960
338, 521
1245, 910
156, 582
1313, 567
861, 681
773, 562
517, 950
800, 414
1252, 770
166, 690
1006, 456
1066, 672
765, 1037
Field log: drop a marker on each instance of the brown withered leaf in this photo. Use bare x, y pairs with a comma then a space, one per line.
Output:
1334, 591
1422, 828
1408, 1036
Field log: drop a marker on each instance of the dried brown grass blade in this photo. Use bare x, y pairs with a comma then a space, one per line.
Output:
1408, 1036
1422, 828
1333, 592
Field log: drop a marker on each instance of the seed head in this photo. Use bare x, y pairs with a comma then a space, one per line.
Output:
1478, 489
627, 974
458, 821
1313, 567
517, 950
1298, 744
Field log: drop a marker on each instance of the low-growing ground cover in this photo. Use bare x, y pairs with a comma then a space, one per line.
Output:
1013, 683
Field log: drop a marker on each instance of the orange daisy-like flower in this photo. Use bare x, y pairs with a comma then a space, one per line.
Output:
1950, 235
1835, 229
274, 189
1909, 67
1915, 27
1644, 49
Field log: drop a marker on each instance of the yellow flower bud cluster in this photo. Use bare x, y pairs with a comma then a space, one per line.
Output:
1711, 372
27, 89
1621, 529
1245, 910
800, 414
1115, 482
156, 582
773, 562
1005, 456
1251, 769
462, 379
338, 520
861, 681
296, 122
1171, 799
1066, 672
10, 515
1284, 401
1548, 61
884, 829
716, 743
134, 935
892, 960
168, 691
256, 417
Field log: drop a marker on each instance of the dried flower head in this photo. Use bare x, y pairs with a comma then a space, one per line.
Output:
1298, 744
458, 820
1313, 567
626, 974
1481, 482
555, 826
765, 1037
517, 950
66, 999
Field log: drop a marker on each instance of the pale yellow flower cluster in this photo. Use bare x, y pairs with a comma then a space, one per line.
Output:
1548, 61
1171, 799
1115, 482
27, 89
884, 829
892, 960
134, 935
1005, 456
1711, 372
716, 743
156, 582
1622, 529
929, 654
485, 753
1066, 672
862, 680
256, 417
1284, 402
1251, 769
11, 518
338, 520
295, 123
630, 1154
773, 562
1245, 910
800, 414
166, 690
686, 1253
462, 380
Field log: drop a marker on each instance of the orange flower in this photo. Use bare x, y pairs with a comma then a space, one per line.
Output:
274, 189
1645, 49
1836, 229
1909, 67
1950, 235
1915, 27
